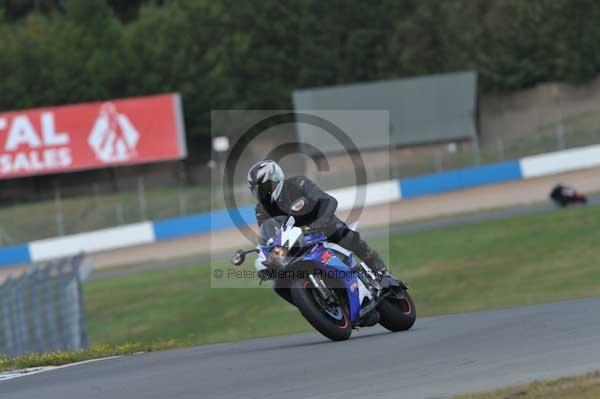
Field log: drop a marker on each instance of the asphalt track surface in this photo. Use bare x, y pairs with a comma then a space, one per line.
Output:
440, 357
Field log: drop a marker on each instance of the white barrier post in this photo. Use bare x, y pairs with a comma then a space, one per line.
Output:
60, 224
500, 149
141, 198
560, 128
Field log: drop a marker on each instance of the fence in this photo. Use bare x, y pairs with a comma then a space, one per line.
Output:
42, 310
410, 162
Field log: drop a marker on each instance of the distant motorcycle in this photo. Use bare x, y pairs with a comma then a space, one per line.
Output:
564, 196
334, 291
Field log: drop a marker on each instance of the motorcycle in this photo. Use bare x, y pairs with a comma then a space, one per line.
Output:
330, 286
564, 196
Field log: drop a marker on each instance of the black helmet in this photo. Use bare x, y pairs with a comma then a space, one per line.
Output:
265, 179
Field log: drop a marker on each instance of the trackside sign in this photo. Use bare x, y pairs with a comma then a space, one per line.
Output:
91, 135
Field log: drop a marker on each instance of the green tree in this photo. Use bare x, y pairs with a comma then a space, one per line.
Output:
229, 54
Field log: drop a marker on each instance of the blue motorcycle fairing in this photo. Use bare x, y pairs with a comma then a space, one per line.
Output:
323, 261
337, 269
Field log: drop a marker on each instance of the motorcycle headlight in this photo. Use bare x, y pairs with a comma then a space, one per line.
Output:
278, 257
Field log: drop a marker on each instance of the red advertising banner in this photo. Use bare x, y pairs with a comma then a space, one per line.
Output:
91, 135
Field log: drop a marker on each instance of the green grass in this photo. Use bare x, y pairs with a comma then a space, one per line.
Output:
504, 263
583, 387
95, 352
520, 261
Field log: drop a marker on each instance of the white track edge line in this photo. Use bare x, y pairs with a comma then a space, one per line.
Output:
10, 375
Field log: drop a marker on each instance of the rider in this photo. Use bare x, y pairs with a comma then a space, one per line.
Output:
309, 205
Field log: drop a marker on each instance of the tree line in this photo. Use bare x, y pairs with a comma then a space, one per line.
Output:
236, 54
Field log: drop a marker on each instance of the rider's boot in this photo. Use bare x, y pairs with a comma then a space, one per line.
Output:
375, 263
353, 241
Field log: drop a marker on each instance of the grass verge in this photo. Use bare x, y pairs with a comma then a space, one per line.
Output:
583, 387
95, 352
503, 263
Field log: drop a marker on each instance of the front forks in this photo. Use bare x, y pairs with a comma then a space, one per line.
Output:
327, 295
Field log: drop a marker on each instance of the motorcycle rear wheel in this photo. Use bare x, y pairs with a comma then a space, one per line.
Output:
323, 320
397, 313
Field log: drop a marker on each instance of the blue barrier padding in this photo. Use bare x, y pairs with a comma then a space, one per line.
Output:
14, 255
460, 179
201, 223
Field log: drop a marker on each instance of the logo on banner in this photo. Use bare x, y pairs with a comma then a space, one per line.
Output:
113, 137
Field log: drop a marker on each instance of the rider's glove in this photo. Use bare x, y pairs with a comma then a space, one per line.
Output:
264, 274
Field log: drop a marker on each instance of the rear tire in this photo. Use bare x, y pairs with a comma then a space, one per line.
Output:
397, 314
304, 299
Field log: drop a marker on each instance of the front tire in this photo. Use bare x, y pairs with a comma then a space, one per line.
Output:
397, 312
305, 299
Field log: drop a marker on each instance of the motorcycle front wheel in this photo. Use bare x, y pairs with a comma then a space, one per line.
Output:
332, 322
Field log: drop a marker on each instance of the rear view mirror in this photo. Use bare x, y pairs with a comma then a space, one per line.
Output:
238, 258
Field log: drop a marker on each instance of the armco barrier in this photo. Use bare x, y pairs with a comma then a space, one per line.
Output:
93, 241
460, 179
197, 224
16, 255
376, 193
561, 161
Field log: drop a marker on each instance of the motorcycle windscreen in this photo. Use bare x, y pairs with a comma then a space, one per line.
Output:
270, 229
